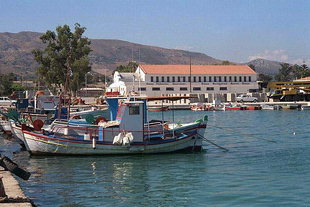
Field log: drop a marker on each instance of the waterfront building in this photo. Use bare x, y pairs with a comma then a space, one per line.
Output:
163, 80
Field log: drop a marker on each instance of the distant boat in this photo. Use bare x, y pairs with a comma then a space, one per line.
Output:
267, 107
305, 107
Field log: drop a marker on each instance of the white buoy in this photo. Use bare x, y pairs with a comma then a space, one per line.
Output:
294, 133
86, 136
94, 143
66, 131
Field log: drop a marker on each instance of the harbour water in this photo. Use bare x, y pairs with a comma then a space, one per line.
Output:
268, 164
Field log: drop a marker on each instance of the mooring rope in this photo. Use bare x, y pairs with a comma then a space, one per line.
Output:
225, 149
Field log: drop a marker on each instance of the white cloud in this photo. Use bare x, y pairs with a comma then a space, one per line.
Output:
300, 61
184, 47
276, 55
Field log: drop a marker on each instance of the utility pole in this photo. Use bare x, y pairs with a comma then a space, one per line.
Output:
190, 74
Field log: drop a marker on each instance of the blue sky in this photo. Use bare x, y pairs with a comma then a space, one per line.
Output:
235, 30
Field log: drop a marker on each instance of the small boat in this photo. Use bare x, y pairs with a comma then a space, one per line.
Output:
128, 132
253, 107
305, 107
289, 107
267, 107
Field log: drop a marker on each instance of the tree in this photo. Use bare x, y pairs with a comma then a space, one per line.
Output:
64, 62
264, 77
290, 72
300, 71
284, 73
129, 68
6, 81
17, 87
226, 62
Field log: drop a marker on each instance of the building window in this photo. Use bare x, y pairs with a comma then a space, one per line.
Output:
240, 79
155, 89
214, 78
179, 79
225, 79
184, 79
162, 79
204, 79
183, 89
196, 89
199, 79
230, 79
210, 79
168, 79
189, 79
235, 78
244, 79
250, 78
142, 89
173, 79
169, 89
210, 88
220, 79
152, 79
157, 79
194, 78
223, 88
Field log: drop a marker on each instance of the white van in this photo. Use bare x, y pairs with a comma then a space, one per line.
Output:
6, 101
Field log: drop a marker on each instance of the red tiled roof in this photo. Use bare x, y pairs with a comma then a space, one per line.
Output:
304, 79
197, 69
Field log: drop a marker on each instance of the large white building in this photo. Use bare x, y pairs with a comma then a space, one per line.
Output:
158, 80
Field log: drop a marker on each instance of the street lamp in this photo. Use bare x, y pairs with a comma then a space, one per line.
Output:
86, 81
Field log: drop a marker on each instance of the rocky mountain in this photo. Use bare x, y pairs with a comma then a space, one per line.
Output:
16, 56
265, 66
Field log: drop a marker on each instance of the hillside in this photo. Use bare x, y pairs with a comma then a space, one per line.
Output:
265, 66
16, 56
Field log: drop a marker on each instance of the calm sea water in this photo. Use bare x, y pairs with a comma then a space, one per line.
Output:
268, 164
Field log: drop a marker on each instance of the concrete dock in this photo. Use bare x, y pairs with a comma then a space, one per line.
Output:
10, 192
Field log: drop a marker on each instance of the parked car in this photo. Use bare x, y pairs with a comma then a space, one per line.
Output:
7, 101
246, 98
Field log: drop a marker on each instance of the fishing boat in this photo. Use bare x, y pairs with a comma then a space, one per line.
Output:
198, 107
128, 132
5, 125
17, 132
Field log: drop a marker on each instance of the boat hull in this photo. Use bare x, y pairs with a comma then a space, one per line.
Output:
18, 134
39, 144
6, 126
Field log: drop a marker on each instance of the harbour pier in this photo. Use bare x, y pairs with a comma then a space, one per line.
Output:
11, 195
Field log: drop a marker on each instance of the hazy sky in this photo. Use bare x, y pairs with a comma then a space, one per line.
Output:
235, 30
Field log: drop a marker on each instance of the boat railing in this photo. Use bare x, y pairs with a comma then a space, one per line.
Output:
72, 132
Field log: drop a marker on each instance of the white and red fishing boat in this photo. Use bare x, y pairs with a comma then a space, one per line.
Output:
5, 125
128, 132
